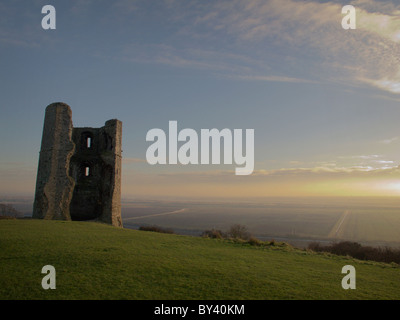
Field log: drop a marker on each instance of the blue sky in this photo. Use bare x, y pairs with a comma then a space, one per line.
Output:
324, 101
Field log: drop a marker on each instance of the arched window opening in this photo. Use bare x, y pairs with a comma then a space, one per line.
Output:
88, 142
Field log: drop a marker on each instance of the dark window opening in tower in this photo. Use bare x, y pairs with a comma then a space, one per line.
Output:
88, 142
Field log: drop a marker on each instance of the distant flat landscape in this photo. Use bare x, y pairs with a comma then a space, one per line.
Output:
373, 221
369, 220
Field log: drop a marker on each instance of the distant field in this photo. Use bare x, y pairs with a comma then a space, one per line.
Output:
374, 225
374, 221
97, 261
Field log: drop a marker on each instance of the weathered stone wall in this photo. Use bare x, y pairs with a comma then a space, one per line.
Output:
54, 186
86, 202
111, 157
79, 172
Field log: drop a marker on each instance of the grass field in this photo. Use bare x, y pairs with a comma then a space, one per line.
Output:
96, 261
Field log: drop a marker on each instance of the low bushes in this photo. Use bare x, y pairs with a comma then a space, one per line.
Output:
214, 234
358, 251
240, 234
7, 217
236, 231
156, 229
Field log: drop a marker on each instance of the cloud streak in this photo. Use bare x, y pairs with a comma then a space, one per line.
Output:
304, 173
275, 41
299, 37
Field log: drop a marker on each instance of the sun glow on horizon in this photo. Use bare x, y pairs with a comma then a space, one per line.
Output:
355, 187
390, 186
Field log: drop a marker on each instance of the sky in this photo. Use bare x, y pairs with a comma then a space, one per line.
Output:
324, 102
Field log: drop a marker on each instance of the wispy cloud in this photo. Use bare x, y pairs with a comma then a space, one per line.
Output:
274, 79
228, 175
254, 40
389, 141
367, 157
332, 171
192, 58
307, 38
369, 162
221, 63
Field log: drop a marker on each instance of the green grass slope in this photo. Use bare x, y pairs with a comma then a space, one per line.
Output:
96, 261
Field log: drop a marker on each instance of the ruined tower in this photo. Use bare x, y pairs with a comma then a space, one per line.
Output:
79, 171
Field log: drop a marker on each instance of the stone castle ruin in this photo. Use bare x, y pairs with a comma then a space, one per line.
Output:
79, 171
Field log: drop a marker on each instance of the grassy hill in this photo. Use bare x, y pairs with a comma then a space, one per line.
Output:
96, 261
